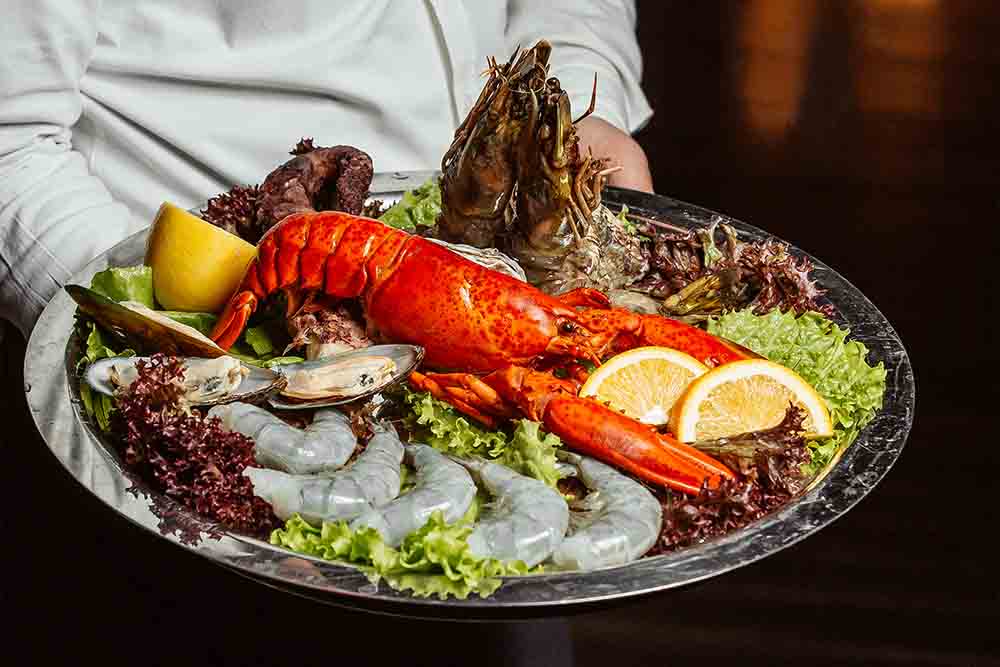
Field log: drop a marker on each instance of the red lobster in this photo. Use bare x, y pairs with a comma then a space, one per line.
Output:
497, 339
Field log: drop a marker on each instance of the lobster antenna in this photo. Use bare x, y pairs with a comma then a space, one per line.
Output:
593, 102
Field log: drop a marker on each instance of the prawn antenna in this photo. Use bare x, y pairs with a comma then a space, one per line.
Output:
593, 102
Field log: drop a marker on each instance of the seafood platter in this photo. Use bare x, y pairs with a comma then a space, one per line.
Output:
502, 389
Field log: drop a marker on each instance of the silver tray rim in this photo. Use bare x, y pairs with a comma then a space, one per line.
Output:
50, 387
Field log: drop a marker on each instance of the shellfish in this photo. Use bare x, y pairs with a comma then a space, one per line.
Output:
345, 377
335, 380
206, 381
143, 326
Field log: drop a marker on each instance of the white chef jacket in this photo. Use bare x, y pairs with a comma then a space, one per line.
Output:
110, 107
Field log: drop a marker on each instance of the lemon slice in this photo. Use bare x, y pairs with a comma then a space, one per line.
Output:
196, 265
644, 382
744, 396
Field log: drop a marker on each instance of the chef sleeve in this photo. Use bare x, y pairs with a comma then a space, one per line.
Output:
588, 37
55, 216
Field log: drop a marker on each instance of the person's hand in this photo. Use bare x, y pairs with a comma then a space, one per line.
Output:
607, 141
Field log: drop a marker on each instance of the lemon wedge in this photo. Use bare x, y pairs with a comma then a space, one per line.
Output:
644, 382
196, 265
743, 396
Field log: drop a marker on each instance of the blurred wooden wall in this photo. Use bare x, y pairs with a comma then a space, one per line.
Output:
865, 131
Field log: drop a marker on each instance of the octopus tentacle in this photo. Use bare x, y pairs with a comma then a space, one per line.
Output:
304, 181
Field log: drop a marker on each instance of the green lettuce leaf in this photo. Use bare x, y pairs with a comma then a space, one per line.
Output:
444, 428
125, 283
242, 351
277, 361
256, 345
627, 224
203, 322
98, 406
818, 350
420, 206
259, 340
433, 560
528, 450
532, 452
96, 349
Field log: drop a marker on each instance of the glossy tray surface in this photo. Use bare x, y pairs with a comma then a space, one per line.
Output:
52, 393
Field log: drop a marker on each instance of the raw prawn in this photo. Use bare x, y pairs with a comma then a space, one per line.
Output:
441, 485
323, 446
620, 526
526, 521
373, 479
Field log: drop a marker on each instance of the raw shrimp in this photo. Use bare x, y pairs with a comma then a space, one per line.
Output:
526, 521
622, 524
441, 485
372, 479
323, 446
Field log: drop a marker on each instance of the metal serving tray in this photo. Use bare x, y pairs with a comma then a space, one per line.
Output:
52, 392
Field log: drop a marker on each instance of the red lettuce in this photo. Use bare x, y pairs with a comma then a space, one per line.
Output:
182, 454
705, 272
768, 466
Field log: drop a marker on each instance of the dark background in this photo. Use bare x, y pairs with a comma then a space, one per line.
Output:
863, 131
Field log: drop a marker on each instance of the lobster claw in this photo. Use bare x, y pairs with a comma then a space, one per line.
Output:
592, 428
583, 424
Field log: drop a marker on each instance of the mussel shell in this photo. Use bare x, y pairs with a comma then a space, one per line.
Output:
152, 335
256, 384
405, 358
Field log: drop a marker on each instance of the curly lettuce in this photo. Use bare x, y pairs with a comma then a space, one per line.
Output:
433, 560
125, 283
420, 206
819, 351
532, 452
528, 450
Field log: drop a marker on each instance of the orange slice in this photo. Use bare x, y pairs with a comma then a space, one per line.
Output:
644, 382
744, 396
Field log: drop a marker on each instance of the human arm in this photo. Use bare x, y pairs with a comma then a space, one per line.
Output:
55, 216
591, 37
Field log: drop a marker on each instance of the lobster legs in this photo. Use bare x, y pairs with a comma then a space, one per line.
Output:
233, 319
584, 424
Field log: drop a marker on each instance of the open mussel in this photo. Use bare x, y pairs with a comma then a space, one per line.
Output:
345, 377
206, 381
141, 326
